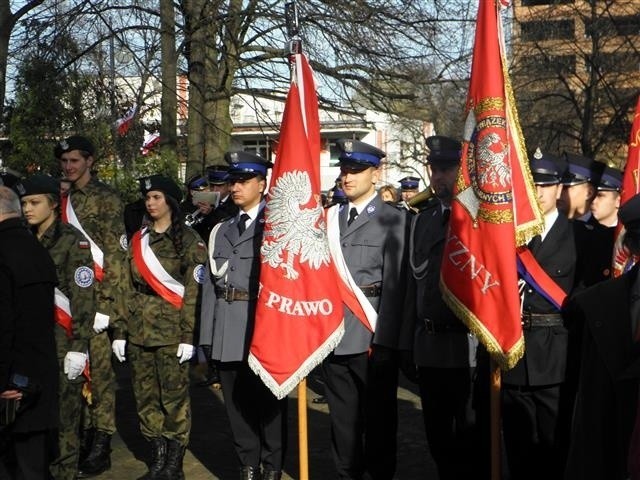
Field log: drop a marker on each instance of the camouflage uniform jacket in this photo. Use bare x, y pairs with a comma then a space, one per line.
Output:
100, 212
71, 254
153, 320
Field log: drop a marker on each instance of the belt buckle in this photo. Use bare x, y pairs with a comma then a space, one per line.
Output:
526, 321
429, 326
229, 293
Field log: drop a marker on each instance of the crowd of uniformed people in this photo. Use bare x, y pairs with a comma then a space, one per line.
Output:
152, 282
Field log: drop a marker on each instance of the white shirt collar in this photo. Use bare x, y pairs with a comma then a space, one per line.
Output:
252, 212
549, 220
363, 205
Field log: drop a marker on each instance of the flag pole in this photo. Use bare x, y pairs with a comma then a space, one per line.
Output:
303, 446
495, 385
295, 46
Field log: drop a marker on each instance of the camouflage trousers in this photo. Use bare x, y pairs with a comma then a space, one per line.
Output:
161, 389
102, 411
71, 401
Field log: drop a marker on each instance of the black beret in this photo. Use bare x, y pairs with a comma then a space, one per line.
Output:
357, 153
75, 142
246, 164
610, 180
162, 184
39, 184
545, 168
444, 152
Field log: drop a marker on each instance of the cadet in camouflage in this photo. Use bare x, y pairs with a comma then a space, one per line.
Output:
97, 211
75, 309
166, 260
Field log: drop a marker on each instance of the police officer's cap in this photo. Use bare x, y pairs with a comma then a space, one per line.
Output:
198, 182
357, 154
610, 180
545, 168
162, 184
444, 152
246, 165
579, 170
40, 184
409, 183
75, 142
217, 174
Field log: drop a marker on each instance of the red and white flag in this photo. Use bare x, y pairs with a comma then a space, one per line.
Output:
495, 208
151, 140
299, 314
622, 260
124, 123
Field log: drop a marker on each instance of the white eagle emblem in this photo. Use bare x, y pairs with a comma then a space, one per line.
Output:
492, 169
293, 230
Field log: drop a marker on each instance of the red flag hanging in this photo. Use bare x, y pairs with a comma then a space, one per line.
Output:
495, 207
622, 261
299, 310
124, 123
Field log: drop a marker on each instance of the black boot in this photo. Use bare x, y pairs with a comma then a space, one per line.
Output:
272, 475
99, 458
86, 440
173, 466
250, 473
158, 458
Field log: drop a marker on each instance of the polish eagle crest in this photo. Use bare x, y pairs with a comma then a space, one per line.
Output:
292, 229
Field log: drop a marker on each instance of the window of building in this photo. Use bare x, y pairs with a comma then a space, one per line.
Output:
544, 66
259, 147
616, 62
628, 25
334, 153
536, 31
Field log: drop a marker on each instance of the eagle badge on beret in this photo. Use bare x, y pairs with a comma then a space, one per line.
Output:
537, 154
64, 145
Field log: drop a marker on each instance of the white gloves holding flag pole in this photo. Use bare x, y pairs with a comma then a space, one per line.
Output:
185, 352
100, 322
118, 347
74, 363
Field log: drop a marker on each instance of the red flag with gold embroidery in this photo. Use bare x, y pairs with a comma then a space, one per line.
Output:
622, 260
299, 310
495, 208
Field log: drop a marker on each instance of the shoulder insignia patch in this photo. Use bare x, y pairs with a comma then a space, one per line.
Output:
198, 273
123, 241
83, 276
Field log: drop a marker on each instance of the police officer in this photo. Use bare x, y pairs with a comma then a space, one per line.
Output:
97, 211
28, 366
409, 188
578, 186
606, 203
361, 374
531, 390
218, 176
256, 416
75, 309
440, 342
607, 400
166, 260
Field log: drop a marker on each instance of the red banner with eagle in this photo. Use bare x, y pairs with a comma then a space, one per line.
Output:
299, 311
495, 207
622, 260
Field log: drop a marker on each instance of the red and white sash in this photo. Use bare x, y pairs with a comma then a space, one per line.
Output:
69, 216
153, 272
63, 311
351, 294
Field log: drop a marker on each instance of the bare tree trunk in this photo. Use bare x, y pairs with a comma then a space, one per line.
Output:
169, 101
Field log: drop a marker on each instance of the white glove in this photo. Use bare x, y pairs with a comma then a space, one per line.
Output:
185, 352
100, 322
118, 347
74, 363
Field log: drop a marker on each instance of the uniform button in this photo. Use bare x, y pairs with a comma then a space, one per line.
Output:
235, 251
530, 290
558, 271
345, 244
598, 323
231, 285
233, 269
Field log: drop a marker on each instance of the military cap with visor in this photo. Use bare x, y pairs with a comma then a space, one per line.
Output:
217, 174
198, 182
75, 142
545, 168
358, 155
409, 183
40, 184
444, 152
160, 183
610, 180
579, 170
244, 165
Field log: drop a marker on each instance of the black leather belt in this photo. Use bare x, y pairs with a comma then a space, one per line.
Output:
145, 289
232, 294
433, 328
530, 320
371, 290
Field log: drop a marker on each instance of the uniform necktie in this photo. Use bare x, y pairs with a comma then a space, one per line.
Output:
445, 215
353, 213
242, 224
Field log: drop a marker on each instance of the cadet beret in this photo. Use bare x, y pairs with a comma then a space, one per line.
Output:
358, 154
444, 152
197, 182
545, 168
579, 169
610, 180
11, 180
409, 183
246, 164
75, 142
39, 184
162, 184
217, 174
